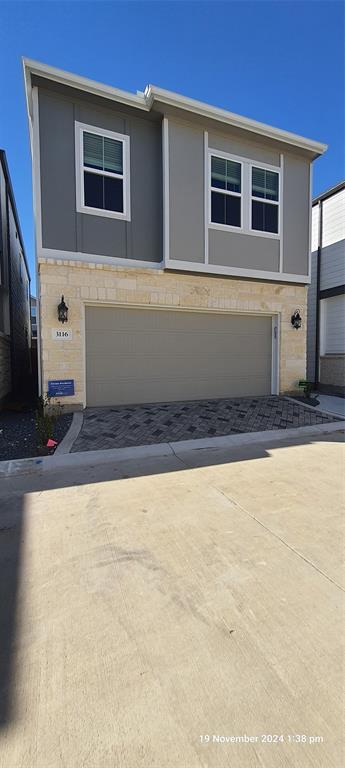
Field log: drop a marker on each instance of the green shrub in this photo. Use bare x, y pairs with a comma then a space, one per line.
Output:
307, 387
46, 416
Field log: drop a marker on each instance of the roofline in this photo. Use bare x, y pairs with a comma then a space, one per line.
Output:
4, 163
145, 101
153, 93
329, 192
32, 67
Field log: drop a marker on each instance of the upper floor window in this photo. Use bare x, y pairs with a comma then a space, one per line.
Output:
265, 200
102, 172
226, 182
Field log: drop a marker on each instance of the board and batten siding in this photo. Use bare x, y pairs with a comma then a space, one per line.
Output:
63, 228
193, 240
186, 193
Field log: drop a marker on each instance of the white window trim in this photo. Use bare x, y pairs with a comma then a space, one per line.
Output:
275, 235
213, 224
79, 168
246, 195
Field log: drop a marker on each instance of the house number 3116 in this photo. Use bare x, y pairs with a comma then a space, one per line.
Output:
64, 335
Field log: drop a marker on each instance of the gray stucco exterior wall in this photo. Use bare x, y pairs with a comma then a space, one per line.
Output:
190, 238
186, 192
240, 250
296, 179
251, 150
187, 178
65, 229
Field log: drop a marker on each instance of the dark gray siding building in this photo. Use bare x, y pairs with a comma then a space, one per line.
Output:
15, 327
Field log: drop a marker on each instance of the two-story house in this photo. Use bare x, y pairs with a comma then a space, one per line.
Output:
179, 236
15, 330
326, 294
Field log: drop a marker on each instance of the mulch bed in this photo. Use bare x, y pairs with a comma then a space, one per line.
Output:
18, 439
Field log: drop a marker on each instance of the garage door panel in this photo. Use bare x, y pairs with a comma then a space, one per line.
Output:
168, 342
102, 318
153, 390
136, 356
165, 366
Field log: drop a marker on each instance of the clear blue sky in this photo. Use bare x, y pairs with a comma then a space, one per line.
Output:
279, 62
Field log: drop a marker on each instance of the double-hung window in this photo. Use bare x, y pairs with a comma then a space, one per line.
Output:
265, 200
102, 167
226, 191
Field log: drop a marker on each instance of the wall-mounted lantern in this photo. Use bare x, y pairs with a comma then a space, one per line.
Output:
62, 311
296, 320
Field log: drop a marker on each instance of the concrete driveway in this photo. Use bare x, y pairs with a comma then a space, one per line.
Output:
181, 612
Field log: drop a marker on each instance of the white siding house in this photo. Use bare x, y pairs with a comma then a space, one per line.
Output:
326, 299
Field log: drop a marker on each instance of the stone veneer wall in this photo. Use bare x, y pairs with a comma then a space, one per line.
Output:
83, 283
5, 366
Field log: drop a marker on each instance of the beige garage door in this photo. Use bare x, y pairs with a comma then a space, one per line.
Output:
150, 355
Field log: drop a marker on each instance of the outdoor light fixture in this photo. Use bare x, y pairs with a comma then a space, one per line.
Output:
296, 320
62, 311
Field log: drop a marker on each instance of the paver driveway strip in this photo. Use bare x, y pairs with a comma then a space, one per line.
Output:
123, 426
159, 602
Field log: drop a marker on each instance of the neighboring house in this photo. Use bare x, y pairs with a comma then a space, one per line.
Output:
33, 309
178, 234
326, 296
15, 330
34, 361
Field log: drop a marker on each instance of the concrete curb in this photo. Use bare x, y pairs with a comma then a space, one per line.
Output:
72, 434
54, 463
267, 436
315, 408
303, 405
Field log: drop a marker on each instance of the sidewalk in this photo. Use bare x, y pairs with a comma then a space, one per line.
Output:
331, 404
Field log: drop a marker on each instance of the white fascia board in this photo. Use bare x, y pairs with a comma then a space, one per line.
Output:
32, 67
153, 93
145, 100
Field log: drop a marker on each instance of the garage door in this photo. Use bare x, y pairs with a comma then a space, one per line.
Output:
150, 355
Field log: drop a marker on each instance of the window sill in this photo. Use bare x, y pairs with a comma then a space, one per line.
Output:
242, 231
103, 213
225, 227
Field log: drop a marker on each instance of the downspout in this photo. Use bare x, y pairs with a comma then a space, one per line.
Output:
318, 280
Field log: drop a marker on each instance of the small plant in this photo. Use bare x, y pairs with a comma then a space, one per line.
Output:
46, 416
307, 387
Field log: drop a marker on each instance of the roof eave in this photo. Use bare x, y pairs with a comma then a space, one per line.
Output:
329, 192
145, 101
32, 67
156, 94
